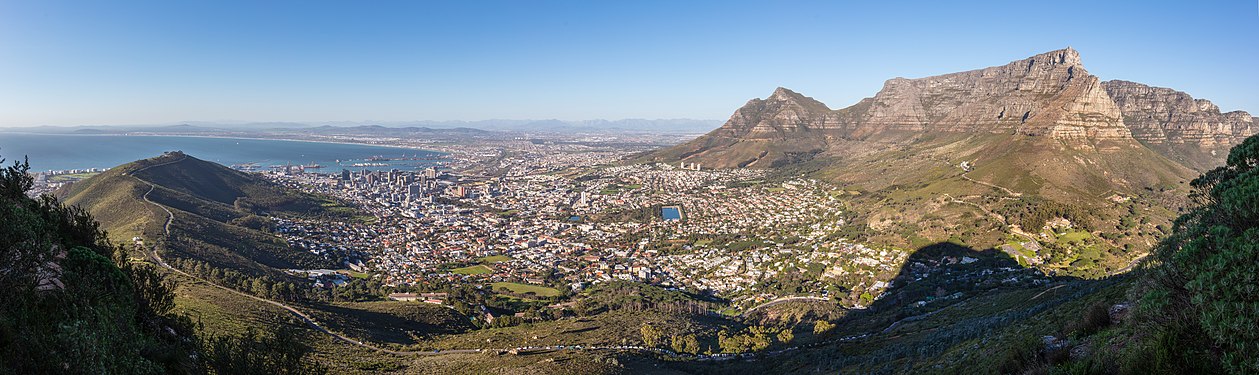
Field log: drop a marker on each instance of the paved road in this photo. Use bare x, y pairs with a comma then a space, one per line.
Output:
784, 300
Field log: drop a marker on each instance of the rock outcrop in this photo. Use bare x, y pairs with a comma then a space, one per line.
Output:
1050, 94
782, 115
1190, 131
1160, 115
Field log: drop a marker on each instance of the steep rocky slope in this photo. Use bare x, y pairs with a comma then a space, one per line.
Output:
1191, 131
1049, 95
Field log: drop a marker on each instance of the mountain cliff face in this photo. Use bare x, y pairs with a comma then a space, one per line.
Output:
1048, 94
1050, 97
1192, 131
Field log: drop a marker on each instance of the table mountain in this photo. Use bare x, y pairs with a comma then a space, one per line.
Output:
1049, 95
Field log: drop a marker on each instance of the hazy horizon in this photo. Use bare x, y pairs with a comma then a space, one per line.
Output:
400, 123
70, 64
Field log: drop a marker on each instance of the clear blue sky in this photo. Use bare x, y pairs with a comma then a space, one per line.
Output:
133, 62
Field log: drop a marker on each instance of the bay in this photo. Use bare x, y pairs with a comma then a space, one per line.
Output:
65, 152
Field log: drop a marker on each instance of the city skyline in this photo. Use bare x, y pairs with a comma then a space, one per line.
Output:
65, 64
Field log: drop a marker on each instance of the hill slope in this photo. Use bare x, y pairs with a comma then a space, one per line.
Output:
216, 212
71, 304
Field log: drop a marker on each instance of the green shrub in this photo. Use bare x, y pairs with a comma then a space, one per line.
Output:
1094, 319
1204, 275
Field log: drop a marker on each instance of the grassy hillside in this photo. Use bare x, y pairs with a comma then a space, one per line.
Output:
218, 212
114, 204
390, 322
1010, 191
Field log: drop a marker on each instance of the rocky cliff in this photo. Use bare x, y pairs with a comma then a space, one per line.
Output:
1192, 131
1047, 96
1050, 94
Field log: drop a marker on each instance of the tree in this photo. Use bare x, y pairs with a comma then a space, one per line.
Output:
785, 336
758, 338
651, 335
865, 300
822, 326
685, 344
1203, 277
253, 353
728, 343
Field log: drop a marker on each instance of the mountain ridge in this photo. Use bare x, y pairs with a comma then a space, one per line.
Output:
1049, 94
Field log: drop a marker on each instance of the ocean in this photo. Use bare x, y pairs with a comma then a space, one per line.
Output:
65, 152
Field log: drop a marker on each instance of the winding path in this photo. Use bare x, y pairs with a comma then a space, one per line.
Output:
992, 185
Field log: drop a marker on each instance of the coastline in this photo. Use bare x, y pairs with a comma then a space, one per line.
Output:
226, 137
434, 156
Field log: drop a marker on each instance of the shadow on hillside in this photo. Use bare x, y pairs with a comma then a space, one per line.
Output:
943, 269
944, 295
393, 327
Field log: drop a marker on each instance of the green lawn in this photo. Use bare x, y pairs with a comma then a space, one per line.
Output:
473, 270
72, 177
1023, 254
494, 259
1075, 236
525, 288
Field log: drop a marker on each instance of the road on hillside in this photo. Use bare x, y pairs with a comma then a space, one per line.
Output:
784, 300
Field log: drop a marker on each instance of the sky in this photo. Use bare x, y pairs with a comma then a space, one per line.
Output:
164, 62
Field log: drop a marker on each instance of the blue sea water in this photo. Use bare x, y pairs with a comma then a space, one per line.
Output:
63, 152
